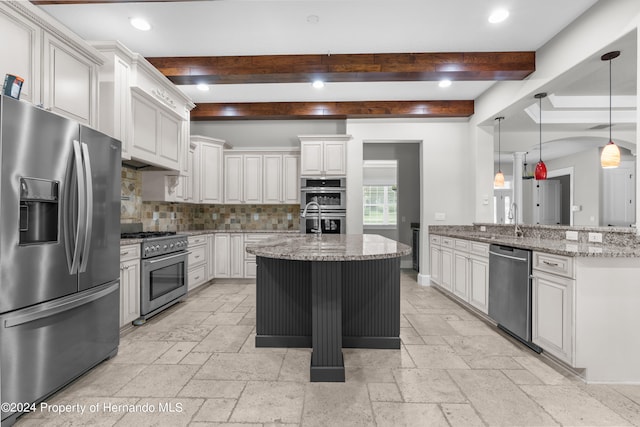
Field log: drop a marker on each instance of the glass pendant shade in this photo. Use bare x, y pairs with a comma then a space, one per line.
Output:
610, 157
498, 181
541, 171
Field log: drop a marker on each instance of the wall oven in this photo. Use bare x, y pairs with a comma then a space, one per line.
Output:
163, 280
330, 194
331, 222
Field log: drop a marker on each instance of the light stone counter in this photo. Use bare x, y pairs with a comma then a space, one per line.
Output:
330, 247
617, 243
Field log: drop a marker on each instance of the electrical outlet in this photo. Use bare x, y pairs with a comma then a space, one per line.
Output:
483, 228
595, 250
572, 235
595, 237
440, 216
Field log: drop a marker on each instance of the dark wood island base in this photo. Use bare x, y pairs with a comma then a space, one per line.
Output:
328, 305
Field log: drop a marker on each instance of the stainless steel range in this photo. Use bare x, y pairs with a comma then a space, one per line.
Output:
163, 280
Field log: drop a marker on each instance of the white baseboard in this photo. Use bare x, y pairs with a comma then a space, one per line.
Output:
424, 279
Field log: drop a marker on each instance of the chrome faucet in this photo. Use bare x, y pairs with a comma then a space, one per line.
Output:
318, 229
513, 214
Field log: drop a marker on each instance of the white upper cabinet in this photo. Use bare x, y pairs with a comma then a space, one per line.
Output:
323, 155
20, 56
69, 81
210, 169
281, 179
144, 109
291, 179
59, 68
243, 178
272, 190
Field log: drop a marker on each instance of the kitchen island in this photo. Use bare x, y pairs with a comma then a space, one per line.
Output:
326, 292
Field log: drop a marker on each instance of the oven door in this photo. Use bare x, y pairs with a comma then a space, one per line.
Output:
164, 279
327, 198
331, 223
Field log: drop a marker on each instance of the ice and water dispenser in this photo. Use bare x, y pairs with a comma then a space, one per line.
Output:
39, 207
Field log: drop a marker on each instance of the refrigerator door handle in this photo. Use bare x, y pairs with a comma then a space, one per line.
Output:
59, 308
80, 227
88, 207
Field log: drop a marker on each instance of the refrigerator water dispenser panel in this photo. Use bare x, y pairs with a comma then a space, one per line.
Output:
39, 206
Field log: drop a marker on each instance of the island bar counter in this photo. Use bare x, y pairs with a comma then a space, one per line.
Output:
327, 292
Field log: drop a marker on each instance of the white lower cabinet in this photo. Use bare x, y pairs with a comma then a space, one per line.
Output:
198, 261
461, 267
129, 284
229, 255
479, 276
250, 266
446, 264
435, 259
552, 314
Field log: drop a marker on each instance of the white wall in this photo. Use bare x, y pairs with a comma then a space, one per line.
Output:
266, 133
446, 158
603, 24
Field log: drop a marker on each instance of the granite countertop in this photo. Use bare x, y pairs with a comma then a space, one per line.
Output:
552, 246
331, 247
125, 242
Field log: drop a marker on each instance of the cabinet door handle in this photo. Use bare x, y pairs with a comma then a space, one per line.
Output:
552, 264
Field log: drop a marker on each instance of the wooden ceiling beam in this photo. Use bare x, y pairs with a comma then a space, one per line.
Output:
470, 66
331, 110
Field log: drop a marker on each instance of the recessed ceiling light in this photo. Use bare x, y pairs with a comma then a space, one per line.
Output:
140, 24
318, 84
444, 83
203, 87
498, 15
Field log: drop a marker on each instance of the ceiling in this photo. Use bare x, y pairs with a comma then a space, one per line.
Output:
416, 31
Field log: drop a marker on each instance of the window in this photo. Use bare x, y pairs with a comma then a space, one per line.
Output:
380, 205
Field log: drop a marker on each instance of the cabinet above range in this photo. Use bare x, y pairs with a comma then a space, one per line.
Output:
142, 108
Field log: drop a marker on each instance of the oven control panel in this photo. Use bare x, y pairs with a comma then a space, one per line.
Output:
163, 245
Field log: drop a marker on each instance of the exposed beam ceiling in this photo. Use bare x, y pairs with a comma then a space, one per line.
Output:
469, 66
331, 110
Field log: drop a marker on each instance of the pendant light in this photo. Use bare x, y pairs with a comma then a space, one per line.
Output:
498, 181
541, 169
610, 157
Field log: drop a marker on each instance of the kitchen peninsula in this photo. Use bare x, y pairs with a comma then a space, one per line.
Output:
584, 289
326, 292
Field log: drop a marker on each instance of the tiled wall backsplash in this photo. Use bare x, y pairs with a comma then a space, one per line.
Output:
187, 216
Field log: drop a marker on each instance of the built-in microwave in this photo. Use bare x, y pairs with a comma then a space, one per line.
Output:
330, 194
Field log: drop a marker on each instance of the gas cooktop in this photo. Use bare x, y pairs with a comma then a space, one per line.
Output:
147, 234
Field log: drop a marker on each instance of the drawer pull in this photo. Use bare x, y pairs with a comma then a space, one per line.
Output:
552, 264
124, 253
197, 256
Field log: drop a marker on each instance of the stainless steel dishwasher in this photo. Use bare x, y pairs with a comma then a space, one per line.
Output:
510, 291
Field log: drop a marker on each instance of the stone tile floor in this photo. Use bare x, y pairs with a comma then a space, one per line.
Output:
196, 364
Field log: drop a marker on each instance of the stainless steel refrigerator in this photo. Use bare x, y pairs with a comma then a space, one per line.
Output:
59, 251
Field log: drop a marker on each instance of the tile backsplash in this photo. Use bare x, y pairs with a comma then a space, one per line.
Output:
188, 216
